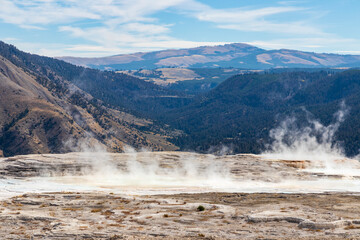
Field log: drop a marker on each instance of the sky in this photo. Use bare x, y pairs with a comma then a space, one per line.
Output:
95, 28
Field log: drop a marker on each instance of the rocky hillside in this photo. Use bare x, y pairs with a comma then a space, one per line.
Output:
236, 55
42, 111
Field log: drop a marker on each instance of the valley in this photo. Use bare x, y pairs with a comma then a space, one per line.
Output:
189, 80
116, 109
90, 154
183, 119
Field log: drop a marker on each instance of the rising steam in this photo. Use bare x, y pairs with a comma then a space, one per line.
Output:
142, 171
314, 142
137, 169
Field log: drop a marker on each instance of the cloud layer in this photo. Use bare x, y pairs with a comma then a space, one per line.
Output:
122, 26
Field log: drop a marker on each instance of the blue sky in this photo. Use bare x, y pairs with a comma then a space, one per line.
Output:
93, 28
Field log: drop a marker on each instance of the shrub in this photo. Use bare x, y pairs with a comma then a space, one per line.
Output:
200, 208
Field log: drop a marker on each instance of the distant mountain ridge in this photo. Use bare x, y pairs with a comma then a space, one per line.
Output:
236, 55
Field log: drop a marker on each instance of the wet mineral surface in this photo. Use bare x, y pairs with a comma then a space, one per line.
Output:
63, 197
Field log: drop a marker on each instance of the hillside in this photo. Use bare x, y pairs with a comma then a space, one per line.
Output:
236, 55
188, 80
84, 103
43, 111
125, 92
242, 110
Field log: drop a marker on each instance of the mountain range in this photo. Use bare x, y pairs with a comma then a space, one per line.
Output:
51, 106
235, 55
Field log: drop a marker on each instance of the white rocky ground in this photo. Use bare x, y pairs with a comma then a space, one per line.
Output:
156, 195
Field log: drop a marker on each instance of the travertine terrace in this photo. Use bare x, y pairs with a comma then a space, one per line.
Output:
63, 197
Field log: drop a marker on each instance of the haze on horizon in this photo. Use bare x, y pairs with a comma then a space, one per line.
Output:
108, 27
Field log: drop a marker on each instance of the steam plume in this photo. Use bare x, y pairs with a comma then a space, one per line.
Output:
314, 142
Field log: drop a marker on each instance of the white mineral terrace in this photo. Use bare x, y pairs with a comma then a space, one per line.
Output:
147, 173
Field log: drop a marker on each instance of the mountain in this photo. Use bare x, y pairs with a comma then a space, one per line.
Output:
114, 89
236, 55
47, 104
45, 107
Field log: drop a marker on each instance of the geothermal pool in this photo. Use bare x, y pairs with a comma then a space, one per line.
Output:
148, 173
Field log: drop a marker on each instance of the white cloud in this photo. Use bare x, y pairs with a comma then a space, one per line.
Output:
120, 26
131, 25
296, 28
146, 29
31, 14
239, 15
98, 51
177, 44
120, 36
9, 39
44, 12
255, 20
86, 50
317, 44
349, 52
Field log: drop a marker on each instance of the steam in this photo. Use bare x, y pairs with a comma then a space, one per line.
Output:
221, 150
139, 169
314, 142
144, 169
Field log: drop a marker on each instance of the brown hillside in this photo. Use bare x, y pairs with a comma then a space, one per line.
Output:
35, 120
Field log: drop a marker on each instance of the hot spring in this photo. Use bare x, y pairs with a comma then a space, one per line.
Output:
299, 160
